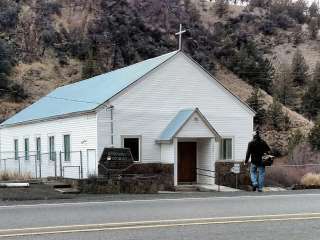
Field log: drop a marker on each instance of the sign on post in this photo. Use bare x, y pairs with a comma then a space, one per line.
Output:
236, 168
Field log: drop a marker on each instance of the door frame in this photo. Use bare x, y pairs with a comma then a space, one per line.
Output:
96, 164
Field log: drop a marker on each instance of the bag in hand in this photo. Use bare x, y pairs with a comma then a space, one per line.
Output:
267, 160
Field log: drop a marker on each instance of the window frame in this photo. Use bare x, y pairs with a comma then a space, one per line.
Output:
65, 158
139, 137
16, 148
232, 148
38, 148
52, 154
26, 144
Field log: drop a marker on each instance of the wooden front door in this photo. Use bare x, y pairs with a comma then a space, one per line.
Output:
187, 162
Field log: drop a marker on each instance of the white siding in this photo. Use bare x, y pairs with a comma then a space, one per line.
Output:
205, 160
104, 130
83, 132
149, 105
195, 127
167, 153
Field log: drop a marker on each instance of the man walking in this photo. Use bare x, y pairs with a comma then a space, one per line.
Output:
256, 149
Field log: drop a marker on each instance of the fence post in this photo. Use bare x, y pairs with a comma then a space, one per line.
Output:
81, 165
19, 159
218, 181
35, 166
55, 164
40, 163
60, 159
236, 181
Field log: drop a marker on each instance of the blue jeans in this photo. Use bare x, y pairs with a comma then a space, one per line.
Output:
256, 180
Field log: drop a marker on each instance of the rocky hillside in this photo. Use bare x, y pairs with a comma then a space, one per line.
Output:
48, 43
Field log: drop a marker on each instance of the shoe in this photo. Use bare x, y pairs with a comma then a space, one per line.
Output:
260, 190
254, 188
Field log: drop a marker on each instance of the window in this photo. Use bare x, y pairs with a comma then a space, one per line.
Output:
226, 149
133, 143
66, 147
52, 153
38, 148
16, 149
26, 149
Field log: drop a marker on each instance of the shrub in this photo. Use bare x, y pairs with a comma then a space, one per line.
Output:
314, 136
295, 138
256, 102
9, 175
276, 115
49, 8
8, 14
311, 179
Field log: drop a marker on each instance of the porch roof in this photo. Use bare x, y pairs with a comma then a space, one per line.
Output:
179, 121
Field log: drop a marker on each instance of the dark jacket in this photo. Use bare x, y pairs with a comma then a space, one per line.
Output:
256, 148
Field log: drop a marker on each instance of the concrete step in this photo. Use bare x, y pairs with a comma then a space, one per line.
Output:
187, 188
56, 184
68, 190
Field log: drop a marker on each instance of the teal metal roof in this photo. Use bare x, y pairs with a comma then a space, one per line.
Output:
176, 124
179, 121
88, 94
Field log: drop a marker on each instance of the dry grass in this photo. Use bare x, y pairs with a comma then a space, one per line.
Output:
311, 179
287, 176
9, 176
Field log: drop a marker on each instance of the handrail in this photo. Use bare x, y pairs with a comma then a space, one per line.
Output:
205, 175
205, 170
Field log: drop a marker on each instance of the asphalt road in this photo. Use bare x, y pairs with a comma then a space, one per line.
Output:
237, 217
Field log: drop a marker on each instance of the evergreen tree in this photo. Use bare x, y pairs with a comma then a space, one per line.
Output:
313, 10
221, 7
90, 68
286, 121
297, 35
295, 138
311, 98
285, 90
276, 116
299, 68
5, 64
313, 28
314, 136
256, 102
250, 65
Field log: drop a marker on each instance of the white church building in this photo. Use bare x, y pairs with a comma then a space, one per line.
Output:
167, 110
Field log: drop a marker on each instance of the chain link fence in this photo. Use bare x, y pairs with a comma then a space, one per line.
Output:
53, 164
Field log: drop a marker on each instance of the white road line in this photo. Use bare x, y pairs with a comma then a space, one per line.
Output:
137, 227
110, 202
184, 220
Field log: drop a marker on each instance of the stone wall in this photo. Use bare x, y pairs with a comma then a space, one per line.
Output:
138, 178
225, 177
161, 174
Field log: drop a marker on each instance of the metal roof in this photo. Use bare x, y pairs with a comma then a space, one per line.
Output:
179, 121
88, 94
176, 124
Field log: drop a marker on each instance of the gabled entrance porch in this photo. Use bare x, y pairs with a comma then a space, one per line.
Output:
191, 141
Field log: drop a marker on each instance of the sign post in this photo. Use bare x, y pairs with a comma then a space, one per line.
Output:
236, 169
